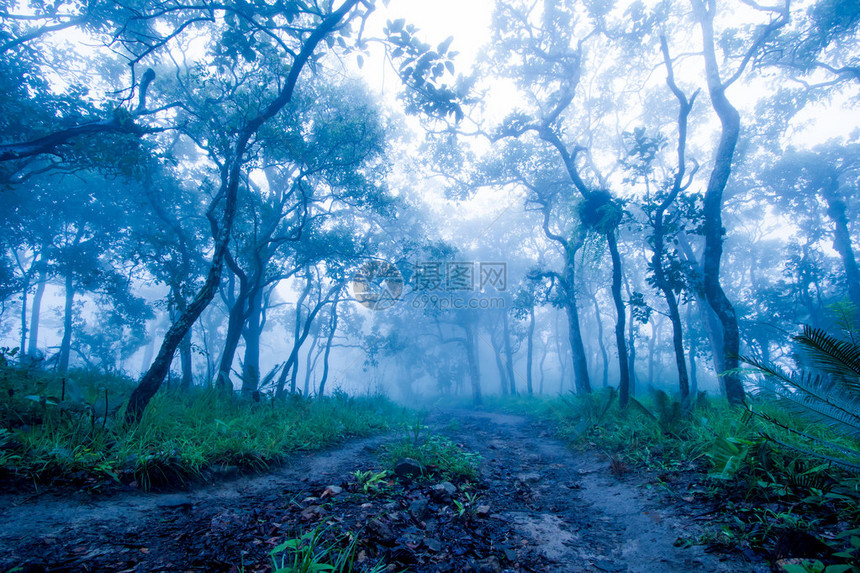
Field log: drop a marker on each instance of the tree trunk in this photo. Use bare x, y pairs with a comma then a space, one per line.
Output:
291, 361
66, 342
836, 209
509, 355
24, 293
560, 354
713, 224
184, 351
503, 376
530, 350
235, 322
472, 359
311, 361
580, 362
600, 343
251, 333
291, 367
35, 314
331, 333
659, 238
652, 344
708, 318
694, 381
623, 365
541, 367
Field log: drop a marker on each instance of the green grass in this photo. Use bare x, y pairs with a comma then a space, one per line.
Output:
46, 436
439, 455
321, 549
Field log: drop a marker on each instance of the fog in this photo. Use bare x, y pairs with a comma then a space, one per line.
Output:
265, 202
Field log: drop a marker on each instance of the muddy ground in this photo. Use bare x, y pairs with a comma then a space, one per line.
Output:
536, 506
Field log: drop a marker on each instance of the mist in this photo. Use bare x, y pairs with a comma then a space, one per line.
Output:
643, 205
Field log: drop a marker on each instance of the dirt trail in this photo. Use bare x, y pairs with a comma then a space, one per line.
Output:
550, 510
570, 508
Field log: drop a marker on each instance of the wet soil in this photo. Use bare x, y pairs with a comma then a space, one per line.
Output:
536, 506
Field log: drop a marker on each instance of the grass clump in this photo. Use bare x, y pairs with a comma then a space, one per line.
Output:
321, 549
69, 430
437, 454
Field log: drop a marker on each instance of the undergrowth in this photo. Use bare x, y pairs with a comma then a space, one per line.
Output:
68, 430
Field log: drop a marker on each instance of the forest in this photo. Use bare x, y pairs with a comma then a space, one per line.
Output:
389, 285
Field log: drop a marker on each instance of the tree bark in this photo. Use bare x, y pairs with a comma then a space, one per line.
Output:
472, 359
66, 342
503, 375
623, 364
35, 314
694, 381
560, 354
251, 333
509, 355
331, 333
836, 210
530, 350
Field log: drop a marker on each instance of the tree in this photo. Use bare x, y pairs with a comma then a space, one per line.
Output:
230, 177
830, 173
704, 12
667, 279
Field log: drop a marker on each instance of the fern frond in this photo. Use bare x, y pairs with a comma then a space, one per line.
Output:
839, 358
813, 397
852, 467
810, 438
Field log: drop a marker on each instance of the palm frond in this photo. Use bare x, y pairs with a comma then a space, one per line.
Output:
808, 437
852, 467
814, 397
838, 358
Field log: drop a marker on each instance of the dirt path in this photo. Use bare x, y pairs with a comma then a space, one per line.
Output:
569, 507
545, 509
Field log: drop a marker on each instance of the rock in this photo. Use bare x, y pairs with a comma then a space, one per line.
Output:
331, 491
312, 512
381, 532
444, 491
418, 509
410, 540
482, 511
530, 477
433, 545
440, 494
407, 467
489, 565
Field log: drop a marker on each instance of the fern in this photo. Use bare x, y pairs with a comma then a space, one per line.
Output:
829, 395
839, 358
